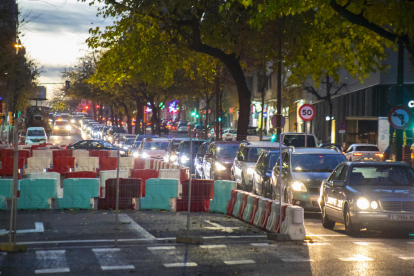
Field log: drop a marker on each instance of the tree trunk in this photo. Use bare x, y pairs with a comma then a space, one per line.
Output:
94, 111
217, 130
115, 120
207, 117
140, 110
129, 125
221, 115
100, 113
112, 116
329, 100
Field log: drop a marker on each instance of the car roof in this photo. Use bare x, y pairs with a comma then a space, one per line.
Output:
226, 142
156, 139
35, 128
351, 163
297, 133
364, 145
313, 150
262, 144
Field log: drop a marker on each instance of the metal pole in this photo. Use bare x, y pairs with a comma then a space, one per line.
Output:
400, 83
279, 113
189, 185
306, 134
117, 201
14, 187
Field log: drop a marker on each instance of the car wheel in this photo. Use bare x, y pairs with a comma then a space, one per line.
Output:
350, 228
326, 222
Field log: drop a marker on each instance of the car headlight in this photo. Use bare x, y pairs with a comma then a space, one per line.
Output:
144, 155
219, 166
80, 121
122, 152
250, 170
56, 127
184, 159
374, 205
173, 158
299, 186
72, 121
109, 138
362, 203
68, 128
135, 154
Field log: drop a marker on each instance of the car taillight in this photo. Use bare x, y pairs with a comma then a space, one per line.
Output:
379, 155
357, 154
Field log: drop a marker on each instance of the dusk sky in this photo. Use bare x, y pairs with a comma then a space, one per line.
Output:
56, 37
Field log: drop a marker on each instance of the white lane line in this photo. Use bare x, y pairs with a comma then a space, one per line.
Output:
317, 243
239, 262
326, 235
180, 265
39, 228
356, 258
263, 244
407, 258
51, 261
161, 248
106, 249
51, 270
132, 225
297, 260
368, 243
213, 246
116, 267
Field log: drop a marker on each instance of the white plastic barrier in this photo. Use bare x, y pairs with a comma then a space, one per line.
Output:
48, 175
259, 212
113, 153
104, 175
87, 164
80, 153
126, 164
43, 153
36, 164
293, 225
171, 174
148, 164
273, 221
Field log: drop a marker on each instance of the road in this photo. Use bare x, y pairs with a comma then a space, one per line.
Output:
66, 140
82, 242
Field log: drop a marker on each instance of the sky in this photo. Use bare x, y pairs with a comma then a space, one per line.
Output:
56, 35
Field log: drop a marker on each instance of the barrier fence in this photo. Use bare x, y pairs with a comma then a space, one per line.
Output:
57, 179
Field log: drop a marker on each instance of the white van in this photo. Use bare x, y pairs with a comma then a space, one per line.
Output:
35, 135
298, 139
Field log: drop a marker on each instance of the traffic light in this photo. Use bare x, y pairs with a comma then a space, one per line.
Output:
273, 138
67, 84
193, 114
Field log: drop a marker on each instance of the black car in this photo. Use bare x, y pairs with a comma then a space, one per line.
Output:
218, 160
198, 160
183, 152
262, 173
95, 145
303, 170
112, 132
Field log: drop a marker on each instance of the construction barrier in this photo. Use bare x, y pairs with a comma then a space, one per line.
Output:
237, 205
202, 191
274, 218
62, 153
43, 153
139, 163
79, 193
267, 208
49, 175
80, 174
80, 153
108, 163
6, 187
37, 164
251, 208
243, 205
126, 164
36, 193
259, 213
104, 175
63, 164
87, 164
129, 190
144, 175
8, 164
222, 195
293, 225
172, 174
232, 202
160, 194
98, 153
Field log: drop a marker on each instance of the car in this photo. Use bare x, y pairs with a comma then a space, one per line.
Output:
228, 134
89, 126
303, 170
102, 132
169, 155
371, 195
262, 173
152, 148
364, 152
35, 135
172, 126
245, 161
198, 160
85, 120
330, 146
298, 139
251, 135
190, 127
133, 149
75, 119
124, 139
65, 116
182, 126
95, 130
61, 127
184, 157
218, 160
112, 133
95, 145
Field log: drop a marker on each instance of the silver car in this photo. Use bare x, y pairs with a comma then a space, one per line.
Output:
363, 152
371, 195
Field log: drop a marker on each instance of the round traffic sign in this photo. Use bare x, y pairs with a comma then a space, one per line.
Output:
306, 112
399, 117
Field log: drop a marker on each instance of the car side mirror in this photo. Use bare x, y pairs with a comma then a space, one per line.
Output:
338, 183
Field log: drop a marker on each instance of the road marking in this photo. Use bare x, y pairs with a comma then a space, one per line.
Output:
38, 229
180, 265
407, 258
239, 262
161, 248
132, 225
213, 246
297, 260
263, 244
221, 228
368, 243
326, 235
356, 258
48, 258
317, 243
110, 260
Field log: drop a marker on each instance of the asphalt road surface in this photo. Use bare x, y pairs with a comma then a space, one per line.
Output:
82, 242
74, 137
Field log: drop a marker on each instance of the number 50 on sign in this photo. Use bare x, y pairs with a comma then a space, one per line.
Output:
306, 112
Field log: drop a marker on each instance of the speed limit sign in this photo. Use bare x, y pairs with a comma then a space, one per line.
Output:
307, 112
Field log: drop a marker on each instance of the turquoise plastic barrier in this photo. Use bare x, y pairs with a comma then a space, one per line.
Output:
158, 193
35, 193
78, 193
248, 209
237, 205
6, 186
222, 195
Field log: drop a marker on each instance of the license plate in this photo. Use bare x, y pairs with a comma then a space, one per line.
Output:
401, 217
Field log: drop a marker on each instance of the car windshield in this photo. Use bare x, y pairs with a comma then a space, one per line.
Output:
175, 145
156, 145
233, 131
366, 148
272, 159
119, 130
136, 144
36, 132
251, 154
129, 142
196, 146
381, 175
107, 145
299, 140
226, 150
316, 162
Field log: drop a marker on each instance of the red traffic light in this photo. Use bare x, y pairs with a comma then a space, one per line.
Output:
97, 106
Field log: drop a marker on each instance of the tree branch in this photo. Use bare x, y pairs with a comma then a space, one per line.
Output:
312, 91
337, 90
